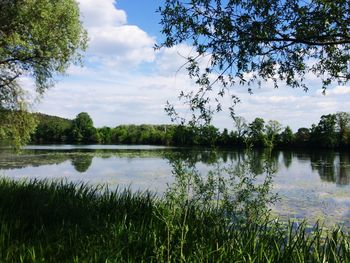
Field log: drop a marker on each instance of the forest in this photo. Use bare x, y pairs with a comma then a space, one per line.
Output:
332, 131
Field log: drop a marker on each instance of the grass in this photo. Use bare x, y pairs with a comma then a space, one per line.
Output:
43, 221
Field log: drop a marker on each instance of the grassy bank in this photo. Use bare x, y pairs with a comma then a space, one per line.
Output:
65, 222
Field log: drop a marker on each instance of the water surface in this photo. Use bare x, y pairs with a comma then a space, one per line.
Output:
312, 185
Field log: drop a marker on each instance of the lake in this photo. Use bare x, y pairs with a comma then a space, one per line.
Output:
310, 184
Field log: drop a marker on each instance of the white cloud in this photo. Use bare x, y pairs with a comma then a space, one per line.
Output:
336, 91
100, 13
292, 107
75, 70
275, 99
113, 98
121, 45
112, 42
113, 90
172, 61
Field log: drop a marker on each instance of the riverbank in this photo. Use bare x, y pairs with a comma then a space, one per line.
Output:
64, 222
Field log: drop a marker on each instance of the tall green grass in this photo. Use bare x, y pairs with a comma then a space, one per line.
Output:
43, 221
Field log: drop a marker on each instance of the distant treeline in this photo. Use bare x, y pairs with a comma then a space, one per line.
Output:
332, 131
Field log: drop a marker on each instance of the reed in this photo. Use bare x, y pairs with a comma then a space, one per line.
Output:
42, 221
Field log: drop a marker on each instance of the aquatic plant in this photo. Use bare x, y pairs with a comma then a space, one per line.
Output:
42, 221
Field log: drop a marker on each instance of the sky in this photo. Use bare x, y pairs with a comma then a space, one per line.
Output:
125, 81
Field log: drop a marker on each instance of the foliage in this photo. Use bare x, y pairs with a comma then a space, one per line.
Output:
256, 133
16, 127
83, 129
81, 162
224, 138
343, 127
273, 129
324, 133
208, 135
246, 42
287, 137
143, 134
48, 221
333, 131
303, 136
52, 129
39, 39
239, 192
240, 125
105, 135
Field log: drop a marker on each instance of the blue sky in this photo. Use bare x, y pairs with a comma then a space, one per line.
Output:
142, 13
124, 80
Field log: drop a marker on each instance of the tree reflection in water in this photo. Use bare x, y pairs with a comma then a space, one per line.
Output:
82, 162
344, 169
331, 166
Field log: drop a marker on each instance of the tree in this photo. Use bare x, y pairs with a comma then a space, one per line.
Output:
168, 136
251, 41
240, 125
302, 136
209, 135
287, 137
39, 39
241, 129
16, 127
324, 134
83, 128
81, 162
105, 135
256, 133
273, 128
51, 129
343, 127
224, 138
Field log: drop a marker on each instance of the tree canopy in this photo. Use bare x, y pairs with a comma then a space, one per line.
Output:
332, 131
83, 128
249, 41
38, 39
